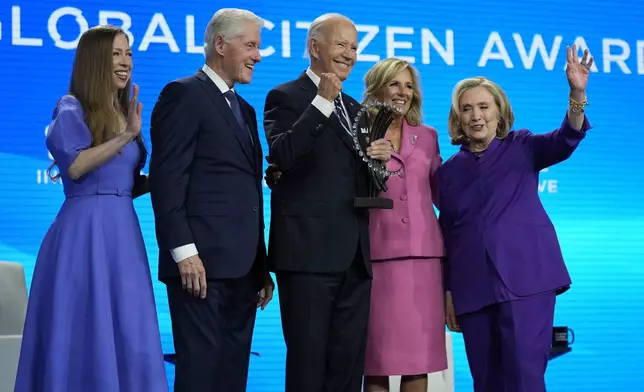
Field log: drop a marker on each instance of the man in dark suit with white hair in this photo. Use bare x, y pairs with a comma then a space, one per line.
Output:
205, 184
319, 242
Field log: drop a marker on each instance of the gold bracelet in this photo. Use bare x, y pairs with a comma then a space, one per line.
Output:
577, 106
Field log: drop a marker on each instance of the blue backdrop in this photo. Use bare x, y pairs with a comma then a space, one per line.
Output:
595, 198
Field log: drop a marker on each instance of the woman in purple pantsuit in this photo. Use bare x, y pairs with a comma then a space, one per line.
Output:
504, 265
91, 321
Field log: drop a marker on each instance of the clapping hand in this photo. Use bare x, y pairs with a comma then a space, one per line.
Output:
133, 121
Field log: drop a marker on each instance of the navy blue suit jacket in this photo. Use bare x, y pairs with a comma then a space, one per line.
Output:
206, 180
315, 227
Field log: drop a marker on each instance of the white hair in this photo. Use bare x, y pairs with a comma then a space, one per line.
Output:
316, 29
229, 23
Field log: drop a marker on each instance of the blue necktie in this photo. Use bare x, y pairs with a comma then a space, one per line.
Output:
234, 105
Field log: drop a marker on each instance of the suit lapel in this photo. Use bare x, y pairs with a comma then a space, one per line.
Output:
224, 109
409, 138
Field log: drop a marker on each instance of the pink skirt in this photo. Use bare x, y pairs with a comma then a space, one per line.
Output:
406, 333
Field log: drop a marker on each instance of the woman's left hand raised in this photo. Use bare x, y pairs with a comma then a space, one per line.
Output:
577, 72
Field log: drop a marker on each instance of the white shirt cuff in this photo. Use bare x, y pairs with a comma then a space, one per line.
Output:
183, 252
325, 107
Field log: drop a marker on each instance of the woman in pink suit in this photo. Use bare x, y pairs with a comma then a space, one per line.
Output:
406, 334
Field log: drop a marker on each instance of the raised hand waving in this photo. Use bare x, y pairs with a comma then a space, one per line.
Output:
576, 71
133, 121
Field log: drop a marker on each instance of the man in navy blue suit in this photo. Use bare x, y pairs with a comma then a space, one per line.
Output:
319, 242
206, 190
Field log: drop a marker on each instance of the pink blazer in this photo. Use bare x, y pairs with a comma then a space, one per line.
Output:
411, 228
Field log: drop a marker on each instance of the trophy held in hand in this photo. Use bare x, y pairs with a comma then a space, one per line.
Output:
371, 123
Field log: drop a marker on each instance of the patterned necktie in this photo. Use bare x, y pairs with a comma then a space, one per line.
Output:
234, 105
342, 116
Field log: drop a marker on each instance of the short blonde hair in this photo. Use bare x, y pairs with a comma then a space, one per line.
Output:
382, 73
506, 116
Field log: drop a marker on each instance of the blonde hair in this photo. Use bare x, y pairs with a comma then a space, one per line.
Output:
506, 116
382, 73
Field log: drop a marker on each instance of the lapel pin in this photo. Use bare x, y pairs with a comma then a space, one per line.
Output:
413, 138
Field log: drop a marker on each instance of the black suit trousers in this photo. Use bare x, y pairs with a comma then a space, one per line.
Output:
212, 336
324, 320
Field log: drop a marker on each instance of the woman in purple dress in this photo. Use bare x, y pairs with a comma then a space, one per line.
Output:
91, 321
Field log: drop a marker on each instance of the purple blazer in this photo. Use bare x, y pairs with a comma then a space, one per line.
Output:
411, 228
491, 206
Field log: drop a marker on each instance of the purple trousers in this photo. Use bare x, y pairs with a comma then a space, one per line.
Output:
508, 344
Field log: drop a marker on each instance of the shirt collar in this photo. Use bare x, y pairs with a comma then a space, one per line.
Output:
314, 78
219, 82
493, 145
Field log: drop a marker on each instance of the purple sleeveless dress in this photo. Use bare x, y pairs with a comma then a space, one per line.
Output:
91, 321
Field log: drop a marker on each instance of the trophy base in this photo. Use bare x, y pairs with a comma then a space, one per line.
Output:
374, 202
